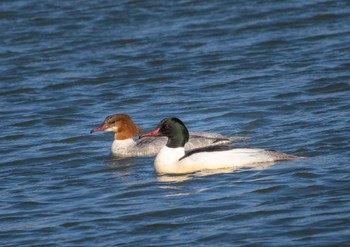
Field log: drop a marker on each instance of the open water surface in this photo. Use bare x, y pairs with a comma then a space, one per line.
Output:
275, 71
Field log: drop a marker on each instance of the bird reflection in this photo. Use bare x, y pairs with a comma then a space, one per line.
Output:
204, 173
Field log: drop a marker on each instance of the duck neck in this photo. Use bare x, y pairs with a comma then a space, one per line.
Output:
178, 140
127, 131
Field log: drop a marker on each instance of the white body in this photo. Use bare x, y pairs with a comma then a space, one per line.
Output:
168, 160
124, 148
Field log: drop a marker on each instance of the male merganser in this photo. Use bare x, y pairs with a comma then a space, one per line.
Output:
125, 146
172, 158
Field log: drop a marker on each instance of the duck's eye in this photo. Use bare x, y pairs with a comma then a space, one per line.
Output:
112, 122
166, 126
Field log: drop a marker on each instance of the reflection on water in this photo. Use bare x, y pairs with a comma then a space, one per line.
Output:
173, 178
204, 173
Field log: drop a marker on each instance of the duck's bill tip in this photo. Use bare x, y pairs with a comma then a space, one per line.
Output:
152, 133
101, 128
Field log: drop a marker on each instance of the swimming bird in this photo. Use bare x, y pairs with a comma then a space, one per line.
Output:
173, 158
125, 130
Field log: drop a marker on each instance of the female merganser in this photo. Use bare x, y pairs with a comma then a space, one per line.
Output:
172, 158
125, 146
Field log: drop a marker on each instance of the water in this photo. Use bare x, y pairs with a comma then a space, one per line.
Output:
277, 72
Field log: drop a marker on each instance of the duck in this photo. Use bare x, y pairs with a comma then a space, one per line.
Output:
125, 130
174, 159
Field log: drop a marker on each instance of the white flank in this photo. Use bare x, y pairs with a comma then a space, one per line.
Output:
167, 161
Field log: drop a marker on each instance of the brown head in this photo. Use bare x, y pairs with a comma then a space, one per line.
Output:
122, 125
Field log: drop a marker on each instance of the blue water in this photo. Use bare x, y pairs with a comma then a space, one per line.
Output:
275, 71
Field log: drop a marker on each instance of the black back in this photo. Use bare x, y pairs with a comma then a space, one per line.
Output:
207, 149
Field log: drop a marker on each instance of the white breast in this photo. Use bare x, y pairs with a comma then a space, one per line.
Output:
123, 148
167, 160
